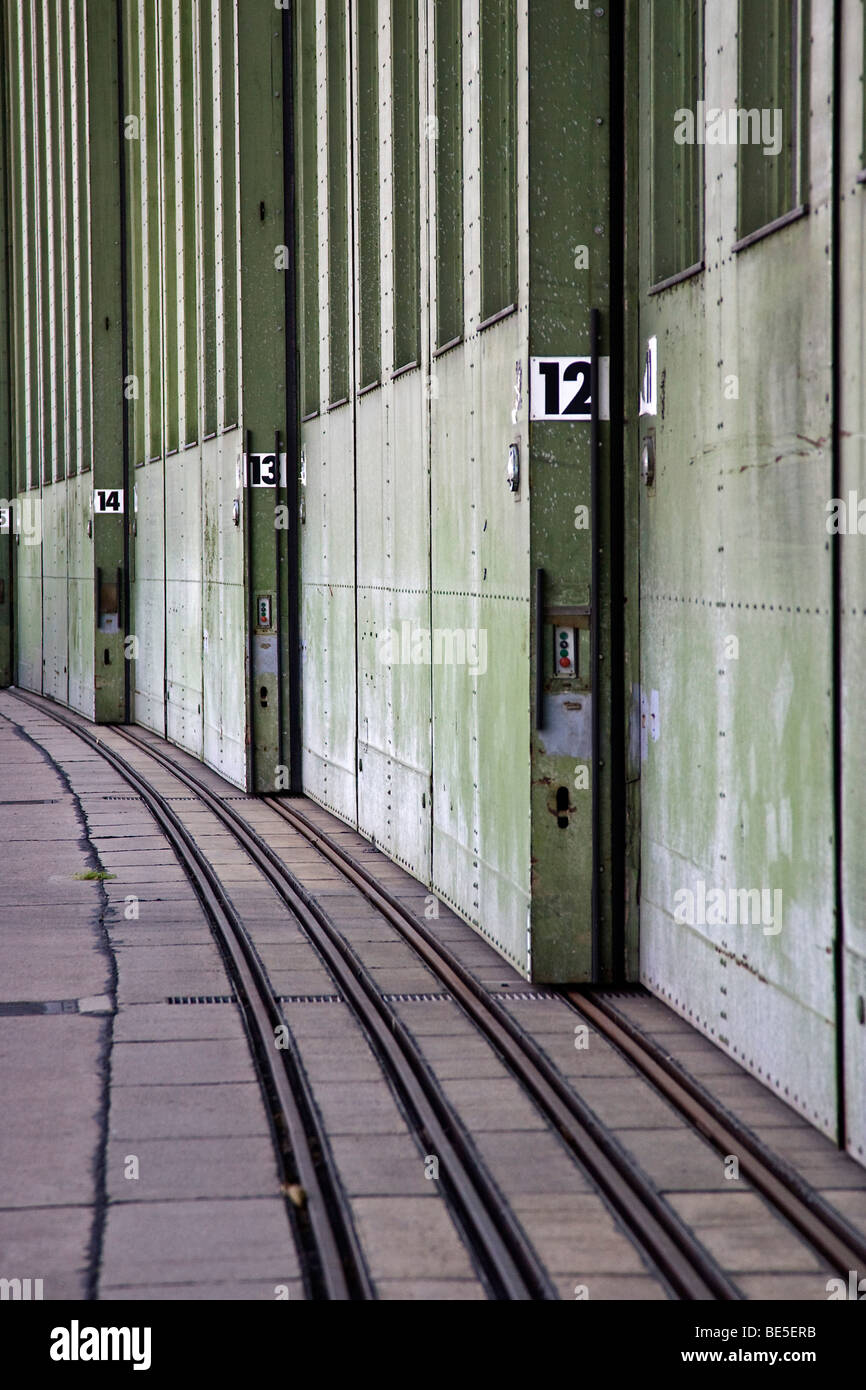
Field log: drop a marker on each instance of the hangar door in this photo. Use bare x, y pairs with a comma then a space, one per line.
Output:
740, 922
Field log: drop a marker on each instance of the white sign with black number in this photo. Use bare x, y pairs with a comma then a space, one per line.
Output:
262, 470
559, 388
5, 519
108, 500
649, 388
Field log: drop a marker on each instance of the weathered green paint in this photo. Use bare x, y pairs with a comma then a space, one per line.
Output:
65, 273
569, 160
448, 171
262, 193
103, 66
737, 780
852, 445
414, 472
7, 485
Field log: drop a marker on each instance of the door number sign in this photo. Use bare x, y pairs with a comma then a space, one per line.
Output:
108, 500
560, 388
263, 470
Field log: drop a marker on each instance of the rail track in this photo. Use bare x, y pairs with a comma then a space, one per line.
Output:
666, 1241
511, 1267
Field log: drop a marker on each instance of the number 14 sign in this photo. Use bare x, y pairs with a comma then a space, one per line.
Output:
559, 388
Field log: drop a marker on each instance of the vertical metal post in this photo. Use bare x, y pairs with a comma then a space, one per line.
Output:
293, 597
539, 649
278, 592
595, 654
251, 606
124, 594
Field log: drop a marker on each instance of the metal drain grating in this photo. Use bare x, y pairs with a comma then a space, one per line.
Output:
529, 996
202, 999
418, 998
309, 999
42, 1006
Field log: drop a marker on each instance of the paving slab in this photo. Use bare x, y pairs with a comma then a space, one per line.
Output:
159, 1243
49, 1243
181, 1063
210, 1111
628, 1103
614, 1288
739, 1232
237, 1291
410, 1238
145, 1023
430, 1290
361, 1107
498, 1104
678, 1160
576, 1235
381, 1165
172, 1169
528, 1162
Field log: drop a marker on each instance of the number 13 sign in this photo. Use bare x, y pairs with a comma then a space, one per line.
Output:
559, 388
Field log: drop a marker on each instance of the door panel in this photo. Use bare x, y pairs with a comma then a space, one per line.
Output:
736, 589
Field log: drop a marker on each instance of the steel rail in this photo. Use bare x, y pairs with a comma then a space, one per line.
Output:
665, 1239
805, 1209
324, 1223
510, 1262
829, 1234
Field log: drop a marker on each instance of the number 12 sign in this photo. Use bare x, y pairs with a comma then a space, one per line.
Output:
559, 388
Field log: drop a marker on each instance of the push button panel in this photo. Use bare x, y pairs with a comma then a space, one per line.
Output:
564, 653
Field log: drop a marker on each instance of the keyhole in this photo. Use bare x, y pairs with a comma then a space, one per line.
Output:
562, 807
263, 697
106, 659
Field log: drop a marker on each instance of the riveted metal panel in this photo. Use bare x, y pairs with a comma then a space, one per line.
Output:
497, 56
81, 595
68, 249
7, 486
337, 115
223, 611
183, 599
405, 184
54, 594
263, 267
29, 243
151, 203
149, 597
102, 58
81, 233
53, 46
569, 258
677, 184
186, 131
44, 238
772, 66
447, 183
136, 232
328, 576
368, 199
168, 216
737, 785
307, 225
392, 481
851, 1007
228, 177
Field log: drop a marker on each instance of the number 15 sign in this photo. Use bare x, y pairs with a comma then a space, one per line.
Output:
559, 388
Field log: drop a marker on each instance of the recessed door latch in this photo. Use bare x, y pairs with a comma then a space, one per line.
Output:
648, 460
